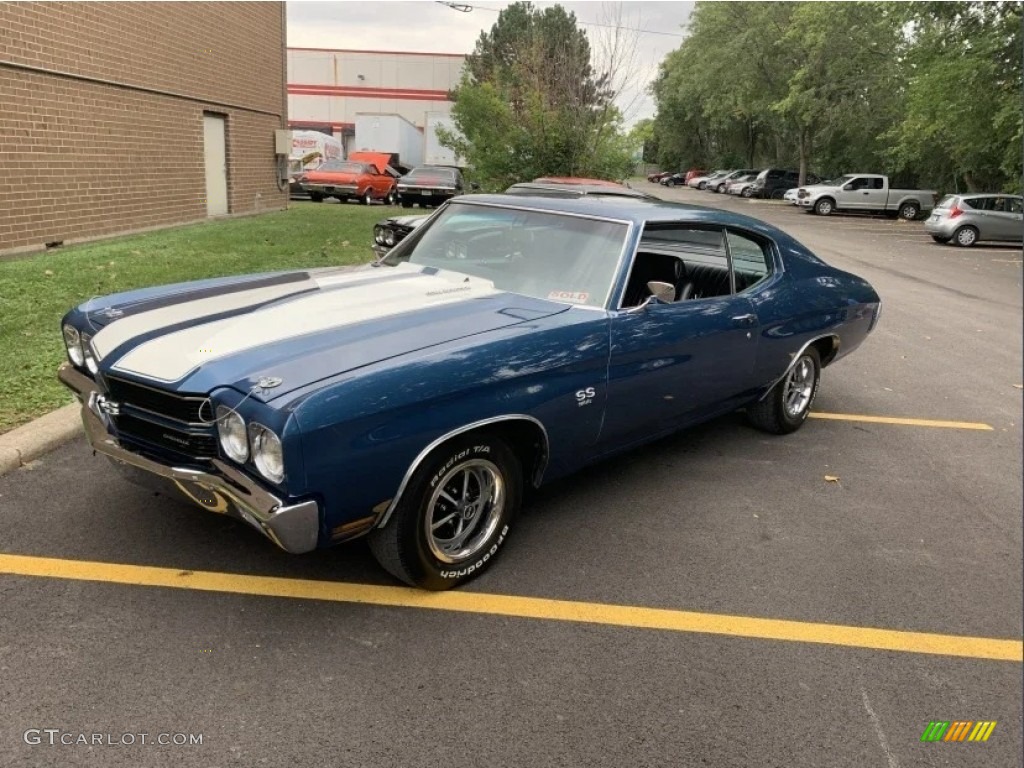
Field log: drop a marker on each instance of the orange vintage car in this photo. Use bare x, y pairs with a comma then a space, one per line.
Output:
365, 176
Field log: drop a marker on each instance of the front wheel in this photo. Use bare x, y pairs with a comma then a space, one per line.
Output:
316, 197
454, 515
784, 409
747, 192
824, 207
366, 198
392, 197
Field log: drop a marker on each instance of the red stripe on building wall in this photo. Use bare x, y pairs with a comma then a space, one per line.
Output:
312, 124
386, 53
366, 91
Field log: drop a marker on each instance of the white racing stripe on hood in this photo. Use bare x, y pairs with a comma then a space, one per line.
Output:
127, 328
171, 357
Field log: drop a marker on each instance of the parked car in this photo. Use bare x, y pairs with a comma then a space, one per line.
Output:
743, 186
966, 219
391, 231
429, 185
673, 180
506, 343
701, 182
772, 183
693, 172
360, 180
869, 192
719, 185
658, 176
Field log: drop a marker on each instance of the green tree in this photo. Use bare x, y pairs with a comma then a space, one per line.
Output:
963, 118
530, 104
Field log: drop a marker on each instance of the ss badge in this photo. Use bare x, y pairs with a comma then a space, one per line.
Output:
585, 396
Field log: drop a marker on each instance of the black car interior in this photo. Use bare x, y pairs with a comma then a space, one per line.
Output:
694, 262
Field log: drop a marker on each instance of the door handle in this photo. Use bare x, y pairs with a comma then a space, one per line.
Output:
745, 321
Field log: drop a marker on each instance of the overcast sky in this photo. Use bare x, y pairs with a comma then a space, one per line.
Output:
424, 25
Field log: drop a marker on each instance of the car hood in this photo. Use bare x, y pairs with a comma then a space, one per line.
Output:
407, 221
300, 327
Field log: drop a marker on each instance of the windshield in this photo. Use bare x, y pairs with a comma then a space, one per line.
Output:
342, 167
842, 180
546, 255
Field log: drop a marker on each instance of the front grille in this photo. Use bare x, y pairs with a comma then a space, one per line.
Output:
172, 406
199, 445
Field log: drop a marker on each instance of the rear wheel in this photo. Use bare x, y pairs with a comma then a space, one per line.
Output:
784, 409
939, 239
778, 194
367, 198
316, 197
392, 197
965, 237
454, 515
909, 211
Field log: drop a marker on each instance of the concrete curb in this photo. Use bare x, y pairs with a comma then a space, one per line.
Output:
30, 441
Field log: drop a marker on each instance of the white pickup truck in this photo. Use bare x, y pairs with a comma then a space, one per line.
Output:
867, 192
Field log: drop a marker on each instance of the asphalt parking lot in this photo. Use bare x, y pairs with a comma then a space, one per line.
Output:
748, 588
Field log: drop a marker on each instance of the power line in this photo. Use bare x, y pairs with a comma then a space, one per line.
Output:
466, 8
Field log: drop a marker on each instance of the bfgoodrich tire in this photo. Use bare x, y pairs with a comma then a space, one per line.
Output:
784, 409
454, 515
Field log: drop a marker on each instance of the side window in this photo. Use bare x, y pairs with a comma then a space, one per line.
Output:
750, 260
978, 203
858, 184
775, 174
692, 259
876, 183
1014, 205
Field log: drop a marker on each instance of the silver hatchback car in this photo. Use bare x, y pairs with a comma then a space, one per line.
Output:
966, 219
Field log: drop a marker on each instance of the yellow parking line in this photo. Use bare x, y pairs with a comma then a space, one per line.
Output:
522, 607
904, 422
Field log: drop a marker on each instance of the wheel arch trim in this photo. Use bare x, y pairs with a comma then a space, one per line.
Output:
809, 343
436, 443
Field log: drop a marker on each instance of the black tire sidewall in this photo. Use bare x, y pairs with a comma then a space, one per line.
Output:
904, 208
424, 568
831, 207
792, 423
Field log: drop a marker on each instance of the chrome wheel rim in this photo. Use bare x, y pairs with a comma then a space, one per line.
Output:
825, 207
464, 510
796, 395
910, 212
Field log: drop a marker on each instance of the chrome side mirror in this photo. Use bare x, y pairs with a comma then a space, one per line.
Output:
663, 292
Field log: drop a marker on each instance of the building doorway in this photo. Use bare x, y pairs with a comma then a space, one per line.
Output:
216, 163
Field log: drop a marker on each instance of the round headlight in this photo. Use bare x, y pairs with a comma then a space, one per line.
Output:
389, 237
378, 235
73, 342
267, 453
231, 431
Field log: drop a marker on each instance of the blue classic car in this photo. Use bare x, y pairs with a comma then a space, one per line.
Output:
508, 341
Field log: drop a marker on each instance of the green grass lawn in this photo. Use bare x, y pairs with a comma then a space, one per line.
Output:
36, 291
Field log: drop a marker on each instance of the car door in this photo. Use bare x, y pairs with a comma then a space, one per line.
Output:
851, 195
1005, 221
675, 363
875, 194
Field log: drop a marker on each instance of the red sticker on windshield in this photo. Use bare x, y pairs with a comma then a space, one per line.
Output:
573, 297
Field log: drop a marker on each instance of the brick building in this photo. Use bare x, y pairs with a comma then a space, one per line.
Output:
123, 116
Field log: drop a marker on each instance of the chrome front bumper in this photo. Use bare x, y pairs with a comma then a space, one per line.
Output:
227, 490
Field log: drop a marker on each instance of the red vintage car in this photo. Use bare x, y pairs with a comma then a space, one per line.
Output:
365, 176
